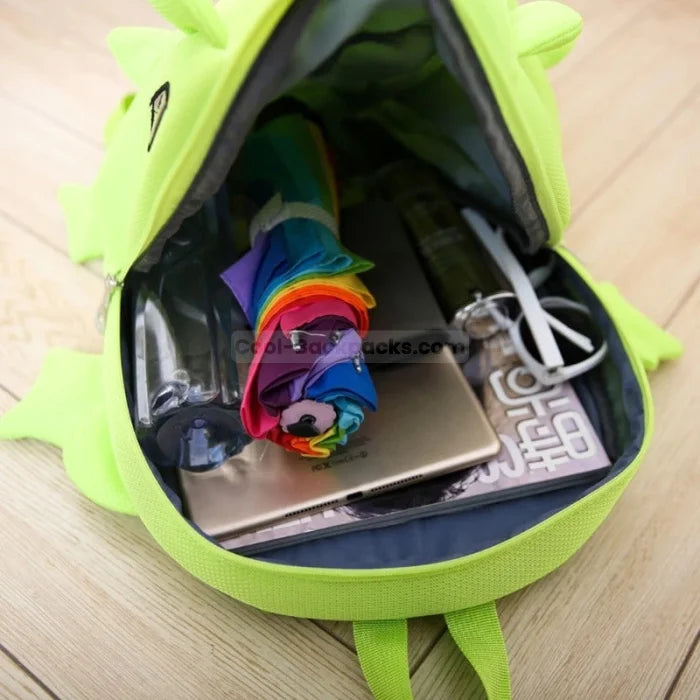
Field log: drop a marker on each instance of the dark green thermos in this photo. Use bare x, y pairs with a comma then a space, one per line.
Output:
459, 270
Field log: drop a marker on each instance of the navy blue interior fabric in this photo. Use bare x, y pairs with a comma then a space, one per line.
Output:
442, 537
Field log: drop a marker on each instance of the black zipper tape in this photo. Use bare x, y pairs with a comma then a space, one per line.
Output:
471, 75
258, 89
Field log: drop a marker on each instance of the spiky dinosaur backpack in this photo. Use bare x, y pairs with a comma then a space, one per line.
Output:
462, 85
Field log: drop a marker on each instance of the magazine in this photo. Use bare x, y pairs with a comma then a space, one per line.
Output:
547, 443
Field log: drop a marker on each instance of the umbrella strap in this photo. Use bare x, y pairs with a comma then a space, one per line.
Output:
277, 211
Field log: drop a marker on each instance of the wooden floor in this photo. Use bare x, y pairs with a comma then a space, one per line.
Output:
89, 606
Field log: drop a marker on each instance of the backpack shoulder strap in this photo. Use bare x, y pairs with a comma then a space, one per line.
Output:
382, 648
477, 632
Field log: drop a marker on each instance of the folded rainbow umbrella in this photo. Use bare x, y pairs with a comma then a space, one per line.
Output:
308, 385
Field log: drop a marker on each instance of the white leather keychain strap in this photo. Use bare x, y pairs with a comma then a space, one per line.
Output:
533, 312
538, 277
277, 211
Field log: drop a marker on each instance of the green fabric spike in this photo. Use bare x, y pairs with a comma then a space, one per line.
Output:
83, 241
551, 58
66, 408
115, 117
652, 343
194, 16
138, 49
545, 28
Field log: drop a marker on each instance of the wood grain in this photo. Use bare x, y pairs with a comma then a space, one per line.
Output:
620, 95
16, 684
72, 80
602, 20
45, 301
44, 155
687, 686
642, 231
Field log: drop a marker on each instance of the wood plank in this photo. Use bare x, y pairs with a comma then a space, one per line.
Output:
43, 156
45, 301
73, 79
55, 101
687, 685
602, 20
616, 99
71, 83
91, 26
630, 595
83, 584
16, 684
642, 232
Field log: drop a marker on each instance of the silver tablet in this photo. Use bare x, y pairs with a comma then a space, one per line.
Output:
429, 422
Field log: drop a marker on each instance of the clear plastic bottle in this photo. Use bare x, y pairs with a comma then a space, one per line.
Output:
187, 388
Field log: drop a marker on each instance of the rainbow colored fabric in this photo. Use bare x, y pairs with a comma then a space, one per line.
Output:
308, 385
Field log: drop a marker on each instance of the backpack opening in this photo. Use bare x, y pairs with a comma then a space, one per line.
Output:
399, 72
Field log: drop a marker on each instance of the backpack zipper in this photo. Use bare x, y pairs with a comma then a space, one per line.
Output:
111, 283
532, 231
258, 88
278, 47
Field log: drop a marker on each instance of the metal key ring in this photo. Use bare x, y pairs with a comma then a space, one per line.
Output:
482, 303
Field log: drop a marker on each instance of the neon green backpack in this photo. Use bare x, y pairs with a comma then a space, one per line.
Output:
460, 83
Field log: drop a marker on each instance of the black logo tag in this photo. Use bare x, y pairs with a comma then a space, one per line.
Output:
159, 103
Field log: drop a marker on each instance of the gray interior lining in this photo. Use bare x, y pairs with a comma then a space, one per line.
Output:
259, 87
311, 31
380, 69
465, 65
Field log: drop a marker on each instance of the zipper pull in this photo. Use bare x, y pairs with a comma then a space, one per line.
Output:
335, 337
111, 283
